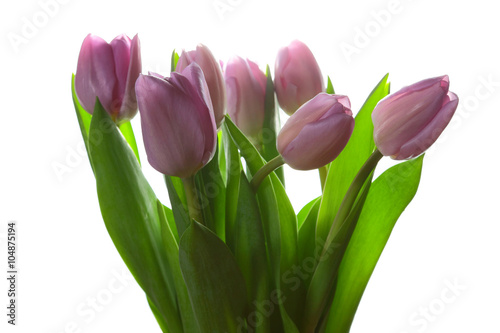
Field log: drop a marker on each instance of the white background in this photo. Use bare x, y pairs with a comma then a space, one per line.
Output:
448, 233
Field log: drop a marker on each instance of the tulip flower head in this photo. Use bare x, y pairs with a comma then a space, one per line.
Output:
297, 77
409, 121
246, 91
213, 76
109, 72
177, 119
317, 133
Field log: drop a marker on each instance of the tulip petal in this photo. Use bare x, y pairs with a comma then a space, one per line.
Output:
95, 73
317, 132
129, 105
246, 95
307, 151
171, 127
400, 117
121, 54
425, 138
298, 77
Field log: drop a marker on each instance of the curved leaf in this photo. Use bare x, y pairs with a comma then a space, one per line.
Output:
279, 224
214, 281
345, 167
129, 209
389, 195
250, 252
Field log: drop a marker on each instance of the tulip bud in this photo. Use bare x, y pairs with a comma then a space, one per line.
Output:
177, 119
213, 75
409, 121
317, 133
246, 91
297, 77
109, 71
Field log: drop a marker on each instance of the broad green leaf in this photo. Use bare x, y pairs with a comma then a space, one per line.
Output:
174, 60
222, 157
233, 173
159, 318
307, 233
309, 251
322, 286
271, 124
169, 215
214, 281
304, 212
188, 320
213, 196
279, 223
389, 195
83, 116
129, 210
250, 251
177, 200
128, 133
345, 167
329, 87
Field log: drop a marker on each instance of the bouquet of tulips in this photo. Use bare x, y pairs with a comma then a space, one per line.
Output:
229, 253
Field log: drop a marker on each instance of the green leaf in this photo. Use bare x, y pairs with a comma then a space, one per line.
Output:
178, 202
329, 87
304, 212
128, 133
322, 286
270, 127
307, 233
345, 167
389, 195
279, 221
169, 215
233, 173
222, 157
250, 251
83, 116
129, 210
214, 281
189, 322
174, 60
212, 193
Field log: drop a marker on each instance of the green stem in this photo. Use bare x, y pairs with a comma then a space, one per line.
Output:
352, 194
192, 199
323, 172
265, 171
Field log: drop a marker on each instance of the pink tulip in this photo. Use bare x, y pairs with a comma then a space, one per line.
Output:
297, 77
317, 133
213, 75
246, 90
177, 119
109, 71
409, 121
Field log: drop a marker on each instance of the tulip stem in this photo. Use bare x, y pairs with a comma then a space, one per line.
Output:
323, 172
192, 199
265, 171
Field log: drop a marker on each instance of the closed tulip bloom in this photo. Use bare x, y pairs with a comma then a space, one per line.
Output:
317, 133
178, 125
213, 75
109, 72
246, 91
297, 77
409, 121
